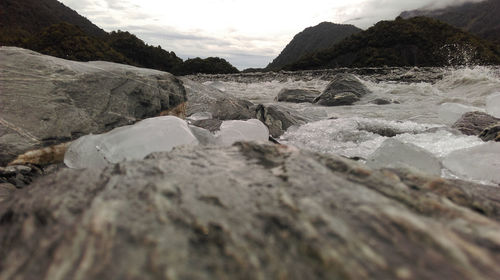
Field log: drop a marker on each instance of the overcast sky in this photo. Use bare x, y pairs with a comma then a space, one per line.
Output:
247, 33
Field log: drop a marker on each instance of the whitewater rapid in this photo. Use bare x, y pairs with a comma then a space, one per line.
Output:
424, 104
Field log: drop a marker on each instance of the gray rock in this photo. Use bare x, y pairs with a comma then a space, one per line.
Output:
202, 98
473, 123
278, 119
45, 100
297, 95
381, 101
344, 89
491, 133
249, 212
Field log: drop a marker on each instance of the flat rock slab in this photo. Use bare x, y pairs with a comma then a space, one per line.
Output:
46, 101
249, 211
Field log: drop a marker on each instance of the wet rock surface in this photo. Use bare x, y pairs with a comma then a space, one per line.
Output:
278, 119
249, 211
344, 89
473, 123
48, 100
297, 95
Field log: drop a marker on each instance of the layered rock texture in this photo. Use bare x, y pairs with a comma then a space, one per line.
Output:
249, 211
48, 100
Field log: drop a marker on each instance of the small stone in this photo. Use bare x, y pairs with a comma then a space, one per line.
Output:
491, 133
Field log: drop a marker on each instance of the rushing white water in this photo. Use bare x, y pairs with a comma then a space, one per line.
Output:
421, 112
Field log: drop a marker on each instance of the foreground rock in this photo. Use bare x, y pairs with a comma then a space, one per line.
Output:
46, 101
344, 89
249, 212
297, 95
473, 123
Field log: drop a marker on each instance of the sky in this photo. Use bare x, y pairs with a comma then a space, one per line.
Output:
248, 34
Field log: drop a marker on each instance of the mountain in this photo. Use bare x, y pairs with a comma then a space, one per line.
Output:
322, 36
32, 16
418, 41
51, 28
480, 18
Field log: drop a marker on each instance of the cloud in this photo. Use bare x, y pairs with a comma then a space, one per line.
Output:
372, 11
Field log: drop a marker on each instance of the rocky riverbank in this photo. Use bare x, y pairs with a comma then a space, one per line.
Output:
216, 206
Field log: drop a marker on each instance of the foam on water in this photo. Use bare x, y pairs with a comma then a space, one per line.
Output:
350, 137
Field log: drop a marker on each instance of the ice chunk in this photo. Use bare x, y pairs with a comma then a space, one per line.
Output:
200, 116
84, 152
396, 154
493, 104
350, 137
233, 131
440, 142
449, 113
481, 163
130, 142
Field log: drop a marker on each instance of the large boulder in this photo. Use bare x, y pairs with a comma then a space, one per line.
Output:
344, 89
473, 123
221, 106
248, 212
297, 95
45, 100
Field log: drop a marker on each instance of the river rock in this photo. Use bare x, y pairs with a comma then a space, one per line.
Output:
381, 101
278, 119
297, 95
491, 133
46, 100
344, 89
249, 211
473, 123
207, 99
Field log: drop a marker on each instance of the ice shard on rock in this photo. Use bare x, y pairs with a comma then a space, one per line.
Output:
129, 142
395, 154
493, 104
449, 113
481, 163
233, 131
84, 153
